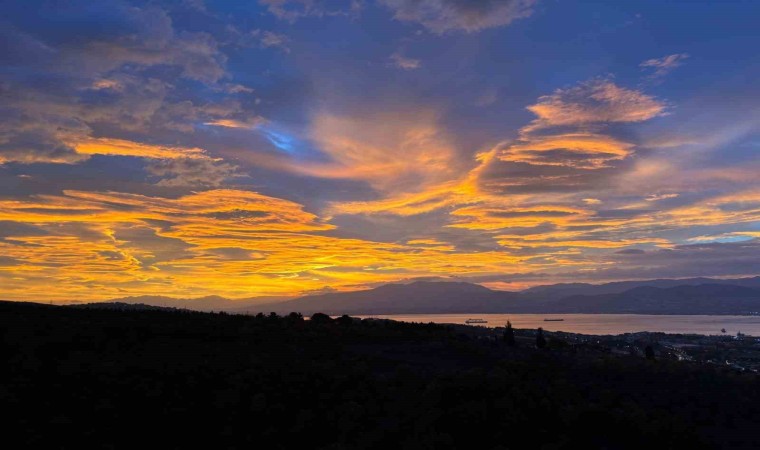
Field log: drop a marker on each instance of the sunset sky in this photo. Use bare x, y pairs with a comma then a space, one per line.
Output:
282, 147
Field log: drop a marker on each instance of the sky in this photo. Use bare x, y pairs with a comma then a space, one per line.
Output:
286, 147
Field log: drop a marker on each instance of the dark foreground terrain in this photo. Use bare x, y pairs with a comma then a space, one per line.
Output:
111, 378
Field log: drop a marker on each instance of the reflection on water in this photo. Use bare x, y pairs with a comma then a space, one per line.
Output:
601, 323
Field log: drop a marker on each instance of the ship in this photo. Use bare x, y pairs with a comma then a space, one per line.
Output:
554, 320
471, 321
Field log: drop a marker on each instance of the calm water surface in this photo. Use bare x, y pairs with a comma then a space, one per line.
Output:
601, 323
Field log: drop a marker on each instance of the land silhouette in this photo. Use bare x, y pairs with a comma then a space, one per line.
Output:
121, 376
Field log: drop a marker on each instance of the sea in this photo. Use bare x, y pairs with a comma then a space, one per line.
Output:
601, 324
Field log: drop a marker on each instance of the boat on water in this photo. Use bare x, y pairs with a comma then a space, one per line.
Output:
554, 320
472, 321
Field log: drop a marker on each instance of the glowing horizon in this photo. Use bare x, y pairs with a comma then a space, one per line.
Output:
283, 147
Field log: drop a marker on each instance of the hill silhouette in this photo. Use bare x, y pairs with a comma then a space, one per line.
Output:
208, 303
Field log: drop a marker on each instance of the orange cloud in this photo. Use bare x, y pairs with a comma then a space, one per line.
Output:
121, 147
492, 217
596, 101
737, 207
581, 150
391, 151
236, 243
234, 123
726, 236
538, 241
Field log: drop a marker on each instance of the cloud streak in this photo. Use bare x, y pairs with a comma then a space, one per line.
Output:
661, 67
403, 62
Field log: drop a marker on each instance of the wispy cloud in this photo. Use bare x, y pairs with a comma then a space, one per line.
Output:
122, 147
269, 39
660, 67
568, 138
734, 236
392, 150
292, 10
406, 63
596, 101
249, 123
658, 197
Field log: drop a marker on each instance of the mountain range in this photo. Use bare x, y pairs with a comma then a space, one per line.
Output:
661, 296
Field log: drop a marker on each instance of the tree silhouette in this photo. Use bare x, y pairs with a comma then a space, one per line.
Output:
540, 339
344, 320
509, 335
649, 352
320, 318
295, 317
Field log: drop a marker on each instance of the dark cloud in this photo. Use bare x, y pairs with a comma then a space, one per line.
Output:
714, 259
630, 251
518, 214
90, 38
235, 254
6, 261
111, 255
622, 213
684, 261
239, 214
98, 173
80, 69
162, 248
9, 229
30, 147
500, 177
734, 259
30, 133
192, 172
441, 16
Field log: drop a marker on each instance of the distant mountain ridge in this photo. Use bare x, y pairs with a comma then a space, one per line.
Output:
615, 287
707, 299
419, 297
645, 297
660, 296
